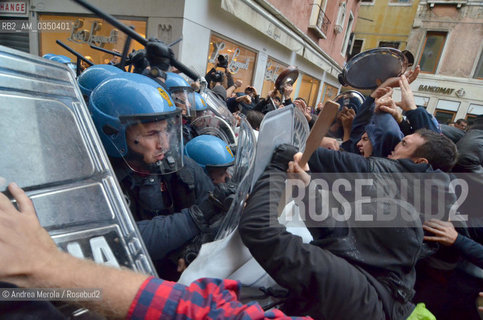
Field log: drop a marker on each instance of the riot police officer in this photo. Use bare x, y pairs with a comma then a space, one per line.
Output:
93, 76
212, 154
168, 194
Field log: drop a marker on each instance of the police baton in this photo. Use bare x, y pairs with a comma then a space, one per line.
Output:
136, 36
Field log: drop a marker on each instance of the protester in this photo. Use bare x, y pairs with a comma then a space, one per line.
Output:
380, 262
461, 124
244, 102
269, 103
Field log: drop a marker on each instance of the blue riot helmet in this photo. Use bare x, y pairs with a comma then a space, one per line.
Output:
48, 56
61, 59
212, 154
201, 106
182, 94
138, 121
93, 76
209, 152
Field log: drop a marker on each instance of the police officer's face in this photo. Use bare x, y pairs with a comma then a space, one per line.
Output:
149, 139
181, 100
219, 175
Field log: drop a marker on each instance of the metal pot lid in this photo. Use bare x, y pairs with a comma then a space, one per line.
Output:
364, 70
288, 75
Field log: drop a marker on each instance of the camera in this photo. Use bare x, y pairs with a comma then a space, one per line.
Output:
222, 61
218, 76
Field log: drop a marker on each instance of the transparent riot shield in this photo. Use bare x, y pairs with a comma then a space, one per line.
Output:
295, 131
242, 177
227, 256
214, 126
51, 149
218, 107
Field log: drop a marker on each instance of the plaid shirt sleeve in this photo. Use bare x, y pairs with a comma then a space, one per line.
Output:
204, 299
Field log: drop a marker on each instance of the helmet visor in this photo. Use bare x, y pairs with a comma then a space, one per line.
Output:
184, 98
219, 108
154, 147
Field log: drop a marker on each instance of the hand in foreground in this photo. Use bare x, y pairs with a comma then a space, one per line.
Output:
407, 98
297, 172
25, 246
347, 116
329, 143
444, 231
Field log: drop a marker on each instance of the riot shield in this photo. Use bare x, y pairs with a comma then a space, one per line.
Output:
242, 177
218, 107
295, 131
51, 149
214, 126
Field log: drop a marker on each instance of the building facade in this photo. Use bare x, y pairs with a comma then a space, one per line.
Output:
447, 41
383, 23
259, 37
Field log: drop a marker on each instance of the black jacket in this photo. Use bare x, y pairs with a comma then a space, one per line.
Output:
384, 256
162, 216
470, 149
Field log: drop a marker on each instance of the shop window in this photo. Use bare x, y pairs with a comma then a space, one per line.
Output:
444, 116
446, 110
241, 61
421, 101
272, 71
389, 44
470, 118
85, 31
479, 68
16, 40
309, 89
319, 22
475, 110
433, 46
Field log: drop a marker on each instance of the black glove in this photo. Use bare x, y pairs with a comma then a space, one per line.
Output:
223, 195
282, 155
214, 206
159, 54
203, 212
138, 60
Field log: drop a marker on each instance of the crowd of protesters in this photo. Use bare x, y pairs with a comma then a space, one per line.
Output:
350, 270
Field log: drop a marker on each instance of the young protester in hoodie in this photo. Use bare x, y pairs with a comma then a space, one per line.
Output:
365, 111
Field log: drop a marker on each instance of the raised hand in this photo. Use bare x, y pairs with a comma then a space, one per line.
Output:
407, 98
